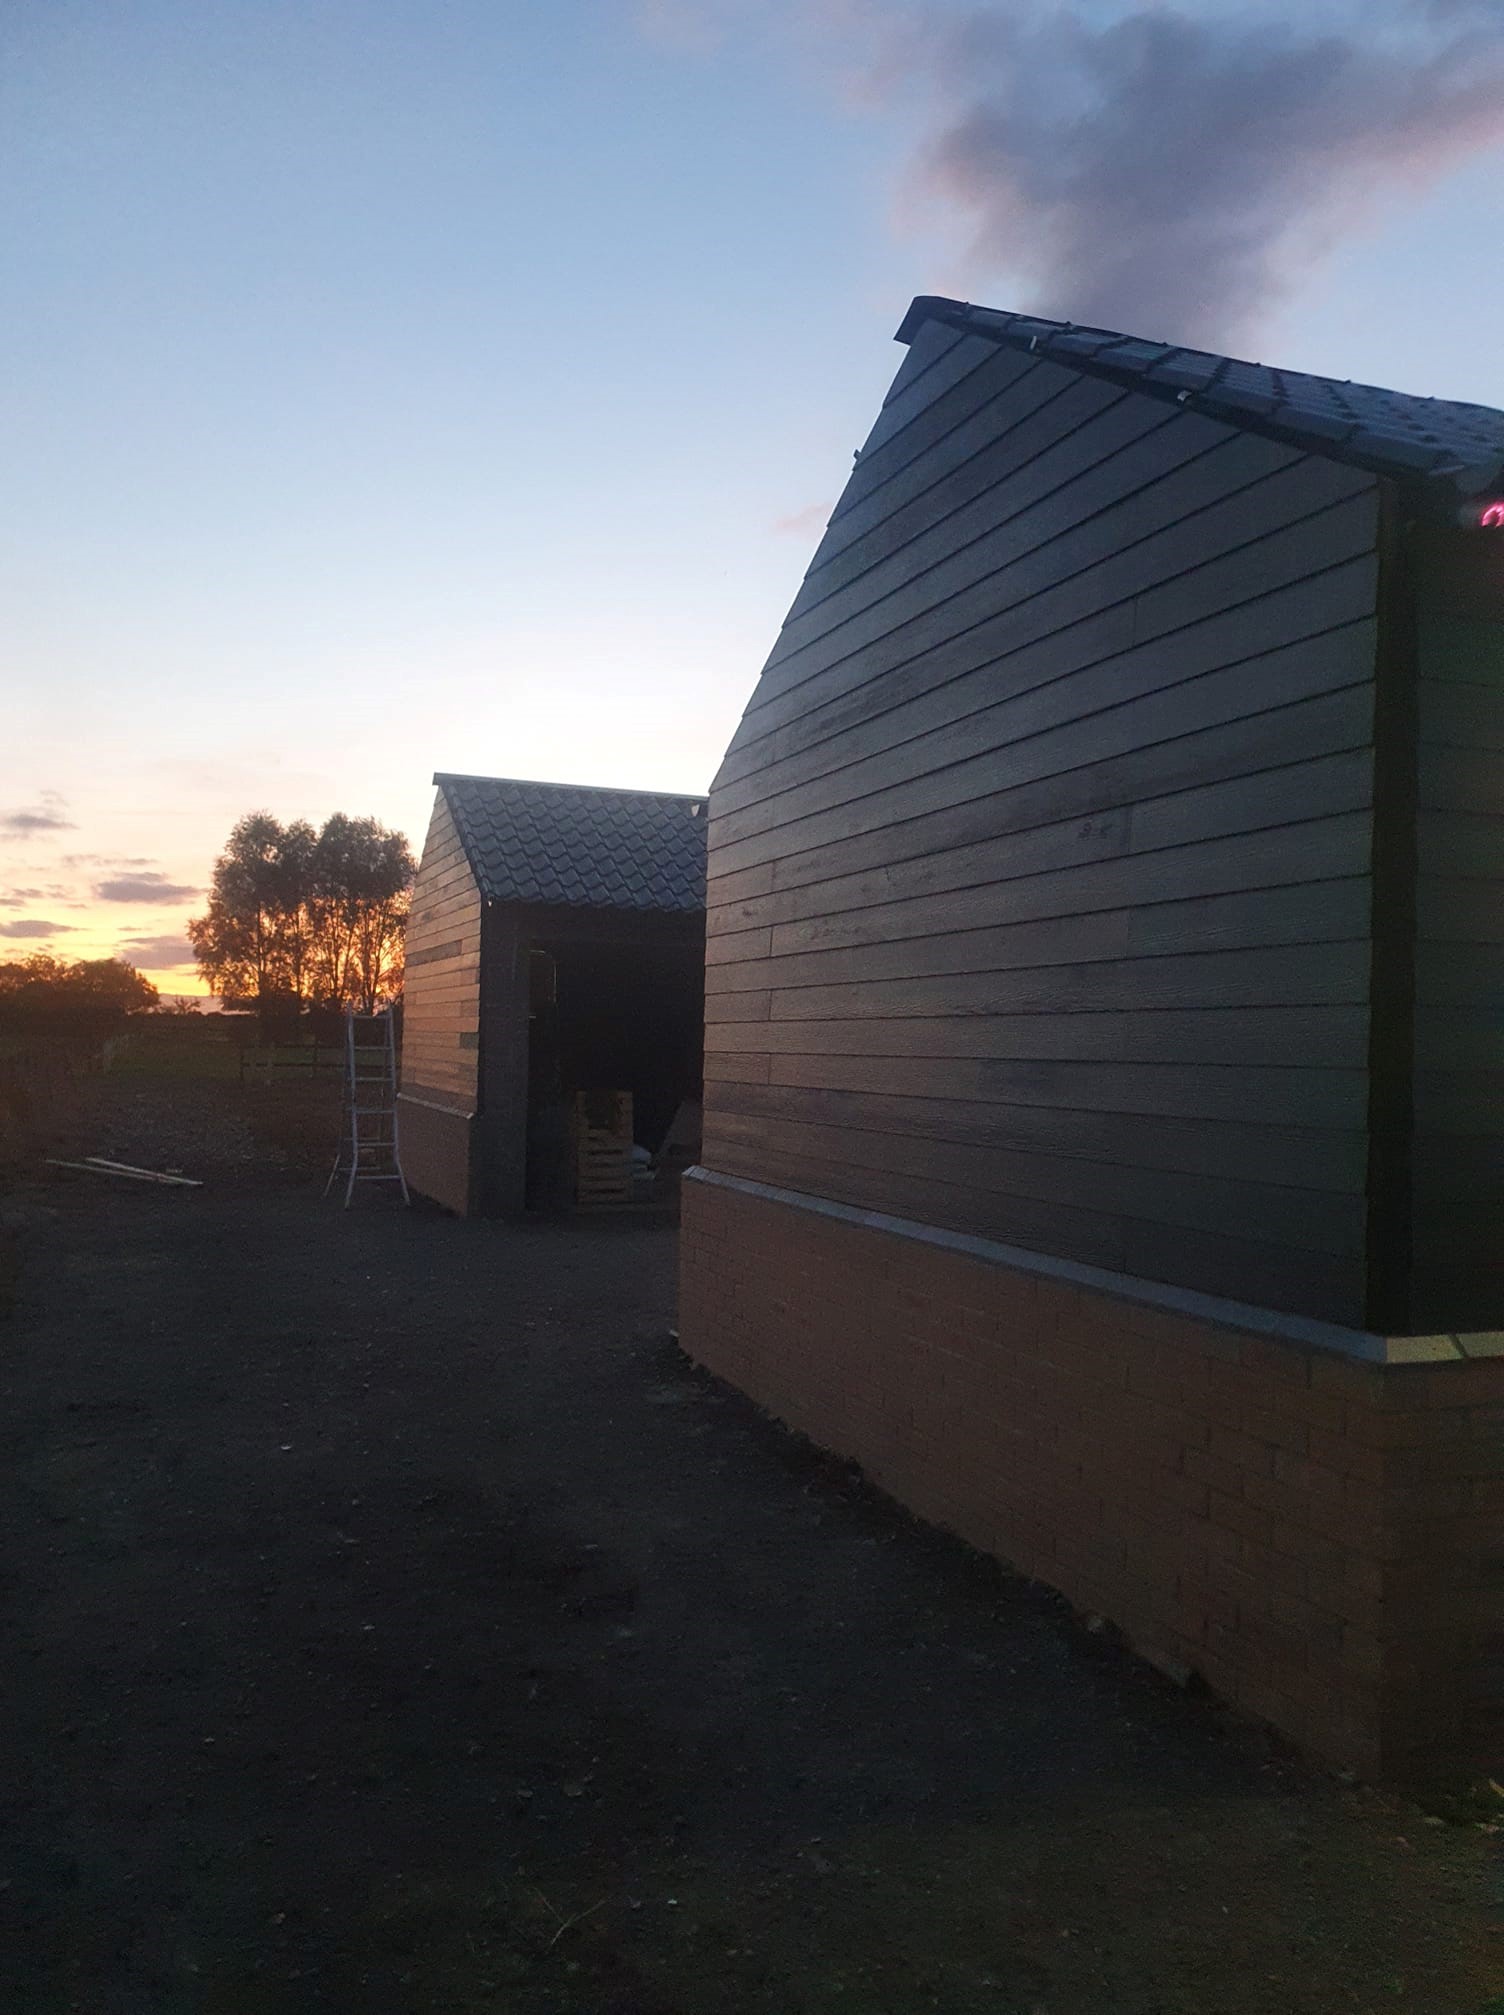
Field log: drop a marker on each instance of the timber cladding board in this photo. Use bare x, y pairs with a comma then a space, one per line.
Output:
1325, 1158
976, 508
1008, 656
1305, 850
1035, 679
441, 1002
436, 922
870, 531
1321, 1038
961, 412
1039, 881
1282, 1096
1457, 1172
1240, 680
992, 626
1237, 550
1280, 1275
906, 403
1133, 701
1175, 467
451, 988
1248, 748
1300, 1218
1317, 975
932, 343
449, 948
1312, 914
1264, 801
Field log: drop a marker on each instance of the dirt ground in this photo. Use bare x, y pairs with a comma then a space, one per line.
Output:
394, 1622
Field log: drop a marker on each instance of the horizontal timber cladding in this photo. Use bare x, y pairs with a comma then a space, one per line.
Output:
1129, 761
1284, 1097
441, 1016
1275, 1272
1197, 473
956, 418
1038, 735
936, 341
1458, 1147
1200, 568
1204, 1202
1310, 914
1333, 1037
1253, 819
1327, 1157
1249, 750
1028, 646
1314, 975
1040, 888
1307, 849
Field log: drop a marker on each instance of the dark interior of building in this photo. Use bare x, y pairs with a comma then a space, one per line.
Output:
608, 1017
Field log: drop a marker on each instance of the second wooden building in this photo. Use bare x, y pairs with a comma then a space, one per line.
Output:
555, 954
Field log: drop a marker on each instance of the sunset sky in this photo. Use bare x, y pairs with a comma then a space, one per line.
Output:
401, 385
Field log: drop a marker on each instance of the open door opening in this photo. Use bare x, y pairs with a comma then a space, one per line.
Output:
615, 1047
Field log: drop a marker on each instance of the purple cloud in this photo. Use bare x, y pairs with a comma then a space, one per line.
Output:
808, 523
157, 952
1177, 173
33, 927
144, 888
1174, 171
21, 821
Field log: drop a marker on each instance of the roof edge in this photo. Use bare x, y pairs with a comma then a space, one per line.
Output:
1193, 380
442, 777
929, 308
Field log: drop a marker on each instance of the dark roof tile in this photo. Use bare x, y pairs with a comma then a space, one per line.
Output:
1391, 433
1188, 370
574, 845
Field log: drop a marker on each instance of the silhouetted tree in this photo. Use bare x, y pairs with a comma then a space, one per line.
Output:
362, 877
242, 941
52, 996
299, 918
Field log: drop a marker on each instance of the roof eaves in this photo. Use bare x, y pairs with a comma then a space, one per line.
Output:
1186, 371
931, 308
547, 784
1192, 379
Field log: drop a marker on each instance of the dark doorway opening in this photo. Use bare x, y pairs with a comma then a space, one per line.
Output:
604, 1016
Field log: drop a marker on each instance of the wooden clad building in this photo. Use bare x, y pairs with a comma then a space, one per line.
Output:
1105, 1002
556, 947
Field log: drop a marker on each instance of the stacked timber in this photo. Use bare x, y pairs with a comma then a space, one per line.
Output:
602, 1148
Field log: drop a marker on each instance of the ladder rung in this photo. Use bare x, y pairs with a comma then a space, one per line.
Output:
370, 1149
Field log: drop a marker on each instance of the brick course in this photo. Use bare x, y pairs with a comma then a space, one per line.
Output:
1321, 1539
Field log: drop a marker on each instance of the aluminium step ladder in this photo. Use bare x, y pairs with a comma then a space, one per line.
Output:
368, 1150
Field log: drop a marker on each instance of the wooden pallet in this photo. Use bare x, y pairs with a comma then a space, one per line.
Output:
602, 1149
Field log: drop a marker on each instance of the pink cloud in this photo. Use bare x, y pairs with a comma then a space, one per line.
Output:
808, 523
